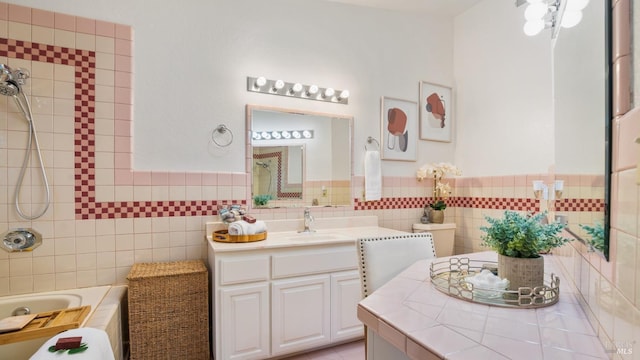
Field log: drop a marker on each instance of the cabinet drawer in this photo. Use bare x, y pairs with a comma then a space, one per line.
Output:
242, 270
316, 262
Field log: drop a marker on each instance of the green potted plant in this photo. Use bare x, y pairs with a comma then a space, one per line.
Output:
262, 199
519, 240
597, 235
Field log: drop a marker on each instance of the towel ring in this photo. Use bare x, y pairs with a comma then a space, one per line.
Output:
371, 140
222, 129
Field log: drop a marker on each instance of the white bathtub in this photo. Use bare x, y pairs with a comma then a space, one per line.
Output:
40, 302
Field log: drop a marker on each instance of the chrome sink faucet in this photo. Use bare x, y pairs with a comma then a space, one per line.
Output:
308, 219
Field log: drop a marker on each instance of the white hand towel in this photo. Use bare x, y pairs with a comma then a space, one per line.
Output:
242, 227
258, 227
239, 227
372, 176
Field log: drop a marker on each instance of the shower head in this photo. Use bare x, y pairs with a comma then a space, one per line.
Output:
11, 80
9, 88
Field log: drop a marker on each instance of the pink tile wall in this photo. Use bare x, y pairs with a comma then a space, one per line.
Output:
104, 215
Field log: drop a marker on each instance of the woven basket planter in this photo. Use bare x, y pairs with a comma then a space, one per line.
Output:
521, 272
436, 216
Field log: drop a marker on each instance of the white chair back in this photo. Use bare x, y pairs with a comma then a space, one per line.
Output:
382, 258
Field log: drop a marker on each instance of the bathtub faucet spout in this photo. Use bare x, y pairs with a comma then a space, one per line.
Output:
22, 310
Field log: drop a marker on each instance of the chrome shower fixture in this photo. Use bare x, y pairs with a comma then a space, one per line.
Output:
18, 240
11, 81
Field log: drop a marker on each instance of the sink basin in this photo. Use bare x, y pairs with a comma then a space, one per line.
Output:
316, 236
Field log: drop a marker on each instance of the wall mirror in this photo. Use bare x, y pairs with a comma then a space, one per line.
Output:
582, 111
299, 158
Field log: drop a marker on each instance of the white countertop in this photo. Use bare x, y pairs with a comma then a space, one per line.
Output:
284, 233
410, 313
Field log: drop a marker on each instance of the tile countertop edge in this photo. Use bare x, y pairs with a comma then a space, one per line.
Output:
367, 315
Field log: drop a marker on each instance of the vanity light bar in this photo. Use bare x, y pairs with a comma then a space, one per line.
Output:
282, 135
297, 90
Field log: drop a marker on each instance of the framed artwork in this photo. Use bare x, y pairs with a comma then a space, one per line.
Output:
399, 127
436, 120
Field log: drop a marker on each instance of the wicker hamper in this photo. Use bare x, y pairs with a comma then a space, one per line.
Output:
168, 311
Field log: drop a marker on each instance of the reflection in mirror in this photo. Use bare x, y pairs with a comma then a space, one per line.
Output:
582, 114
293, 171
277, 173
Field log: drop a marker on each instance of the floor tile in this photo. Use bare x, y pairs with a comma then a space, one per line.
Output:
349, 351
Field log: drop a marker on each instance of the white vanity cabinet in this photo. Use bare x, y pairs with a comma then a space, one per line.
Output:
300, 314
244, 321
241, 306
275, 301
289, 293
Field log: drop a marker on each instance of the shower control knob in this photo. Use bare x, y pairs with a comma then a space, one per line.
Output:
21, 240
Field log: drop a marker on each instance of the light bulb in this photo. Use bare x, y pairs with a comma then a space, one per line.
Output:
260, 82
275, 134
575, 5
328, 92
532, 28
296, 134
265, 135
256, 136
313, 89
571, 18
279, 84
306, 134
296, 88
344, 94
535, 11
286, 134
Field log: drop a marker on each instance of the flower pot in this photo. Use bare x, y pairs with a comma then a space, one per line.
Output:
436, 216
521, 272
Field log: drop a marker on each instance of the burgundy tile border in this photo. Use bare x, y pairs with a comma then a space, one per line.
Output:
516, 204
86, 206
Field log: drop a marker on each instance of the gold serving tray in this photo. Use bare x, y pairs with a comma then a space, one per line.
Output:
224, 236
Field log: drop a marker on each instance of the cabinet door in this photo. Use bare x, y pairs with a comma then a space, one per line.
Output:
345, 295
244, 322
300, 314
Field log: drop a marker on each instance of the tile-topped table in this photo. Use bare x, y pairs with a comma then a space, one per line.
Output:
424, 323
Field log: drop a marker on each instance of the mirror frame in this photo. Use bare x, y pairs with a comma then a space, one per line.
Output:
608, 133
608, 136
249, 108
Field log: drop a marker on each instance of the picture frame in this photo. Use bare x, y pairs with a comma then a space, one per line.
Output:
398, 129
436, 117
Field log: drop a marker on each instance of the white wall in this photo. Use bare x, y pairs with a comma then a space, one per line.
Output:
192, 59
503, 93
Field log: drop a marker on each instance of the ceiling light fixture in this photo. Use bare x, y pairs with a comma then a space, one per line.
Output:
545, 14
